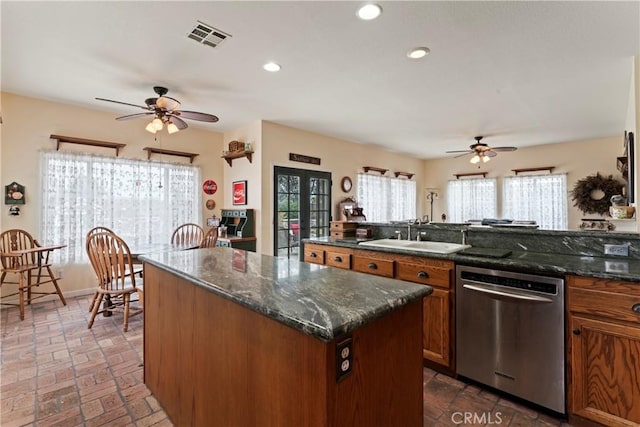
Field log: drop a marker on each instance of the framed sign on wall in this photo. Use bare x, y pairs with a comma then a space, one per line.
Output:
239, 192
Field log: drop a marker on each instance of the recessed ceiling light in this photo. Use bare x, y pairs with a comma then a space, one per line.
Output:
418, 52
369, 11
271, 66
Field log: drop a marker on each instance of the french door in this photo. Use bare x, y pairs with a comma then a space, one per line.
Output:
302, 206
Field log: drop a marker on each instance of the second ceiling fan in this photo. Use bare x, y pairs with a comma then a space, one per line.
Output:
481, 151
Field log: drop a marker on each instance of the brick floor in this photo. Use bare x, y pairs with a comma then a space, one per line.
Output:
56, 372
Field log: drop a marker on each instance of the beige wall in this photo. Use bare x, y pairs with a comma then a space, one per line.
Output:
27, 125
340, 157
577, 159
243, 170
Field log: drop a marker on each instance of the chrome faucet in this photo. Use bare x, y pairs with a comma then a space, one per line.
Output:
420, 235
409, 229
398, 234
465, 236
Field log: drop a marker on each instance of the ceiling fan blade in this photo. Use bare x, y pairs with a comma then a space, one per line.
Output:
181, 124
462, 155
194, 115
490, 153
504, 148
134, 116
167, 103
460, 151
123, 103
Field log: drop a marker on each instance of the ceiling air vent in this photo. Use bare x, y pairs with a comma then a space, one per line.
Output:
206, 34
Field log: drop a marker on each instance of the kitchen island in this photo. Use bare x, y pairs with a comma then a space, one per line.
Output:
236, 338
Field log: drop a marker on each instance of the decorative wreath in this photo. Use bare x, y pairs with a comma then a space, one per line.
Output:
581, 193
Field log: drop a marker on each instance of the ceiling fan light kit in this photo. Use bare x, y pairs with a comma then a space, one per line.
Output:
166, 112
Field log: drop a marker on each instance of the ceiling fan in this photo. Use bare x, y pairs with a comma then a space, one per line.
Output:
165, 111
481, 151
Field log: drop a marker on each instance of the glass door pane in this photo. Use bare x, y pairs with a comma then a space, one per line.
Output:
302, 206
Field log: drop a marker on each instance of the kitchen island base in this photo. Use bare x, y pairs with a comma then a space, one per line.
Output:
212, 361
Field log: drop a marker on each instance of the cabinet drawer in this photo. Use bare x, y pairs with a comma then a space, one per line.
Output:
343, 234
377, 266
314, 254
338, 259
343, 226
439, 277
613, 299
606, 304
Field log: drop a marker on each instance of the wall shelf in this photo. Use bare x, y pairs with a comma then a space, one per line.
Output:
546, 168
151, 150
371, 168
458, 175
409, 175
71, 140
237, 155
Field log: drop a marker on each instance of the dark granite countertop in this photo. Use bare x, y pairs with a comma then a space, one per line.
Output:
619, 268
320, 301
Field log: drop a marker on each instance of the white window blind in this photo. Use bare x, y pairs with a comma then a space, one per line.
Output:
541, 198
141, 201
471, 199
385, 199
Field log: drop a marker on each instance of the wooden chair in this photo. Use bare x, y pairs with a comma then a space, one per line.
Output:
111, 261
188, 234
210, 239
24, 257
101, 229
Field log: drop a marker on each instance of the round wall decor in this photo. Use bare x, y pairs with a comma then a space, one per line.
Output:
210, 204
346, 184
585, 189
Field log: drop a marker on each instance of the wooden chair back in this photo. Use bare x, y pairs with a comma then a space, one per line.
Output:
188, 234
15, 240
99, 229
210, 239
111, 260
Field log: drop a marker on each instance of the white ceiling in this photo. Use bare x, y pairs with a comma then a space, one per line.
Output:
520, 73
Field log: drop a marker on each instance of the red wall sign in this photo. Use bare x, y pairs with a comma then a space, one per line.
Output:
209, 186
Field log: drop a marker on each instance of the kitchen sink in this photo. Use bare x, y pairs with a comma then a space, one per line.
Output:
420, 246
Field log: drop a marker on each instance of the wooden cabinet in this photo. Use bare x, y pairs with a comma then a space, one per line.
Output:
438, 310
604, 350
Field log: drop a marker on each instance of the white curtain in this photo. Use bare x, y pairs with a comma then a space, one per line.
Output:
471, 199
141, 201
541, 198
385, 199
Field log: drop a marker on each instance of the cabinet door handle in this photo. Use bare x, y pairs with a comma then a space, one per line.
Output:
423, 274
636, 308
373, 266
338, 259
576, 331
313, 255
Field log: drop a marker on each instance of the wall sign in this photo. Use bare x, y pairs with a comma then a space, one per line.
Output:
14, 194
210, 204
304, 159
239, 192
209, 187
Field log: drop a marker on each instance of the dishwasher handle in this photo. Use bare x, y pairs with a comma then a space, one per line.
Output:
495, 292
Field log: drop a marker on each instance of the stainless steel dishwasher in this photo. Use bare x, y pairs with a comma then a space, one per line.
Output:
510, 333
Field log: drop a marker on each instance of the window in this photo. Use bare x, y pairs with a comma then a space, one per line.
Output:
384, 199
471, 199
142, 201
541, 198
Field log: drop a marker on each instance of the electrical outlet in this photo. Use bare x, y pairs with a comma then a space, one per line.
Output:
616, 250
344, 358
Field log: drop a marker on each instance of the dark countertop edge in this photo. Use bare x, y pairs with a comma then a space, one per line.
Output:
315, 331
512, 262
